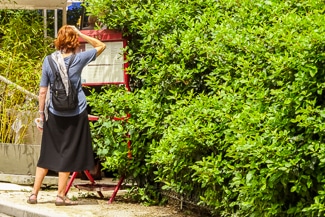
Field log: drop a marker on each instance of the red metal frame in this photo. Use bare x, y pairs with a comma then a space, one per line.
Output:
105, 36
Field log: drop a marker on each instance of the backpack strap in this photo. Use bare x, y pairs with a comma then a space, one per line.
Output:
49, 58
73, 56
71, 60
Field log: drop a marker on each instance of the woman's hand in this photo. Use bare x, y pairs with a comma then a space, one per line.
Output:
76, 30
39, 122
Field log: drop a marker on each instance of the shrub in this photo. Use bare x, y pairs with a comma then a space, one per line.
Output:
227, 101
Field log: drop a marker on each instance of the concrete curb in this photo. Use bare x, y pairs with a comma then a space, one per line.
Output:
27, 179
24, 211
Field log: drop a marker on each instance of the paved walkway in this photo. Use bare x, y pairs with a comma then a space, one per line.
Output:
13, 203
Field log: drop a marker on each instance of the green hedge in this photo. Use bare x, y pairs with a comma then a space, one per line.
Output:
227, 102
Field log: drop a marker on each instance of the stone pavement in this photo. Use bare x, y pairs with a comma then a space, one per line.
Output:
13, 199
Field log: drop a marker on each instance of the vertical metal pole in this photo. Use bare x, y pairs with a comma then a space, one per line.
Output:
45, 22
64, 15
55, 23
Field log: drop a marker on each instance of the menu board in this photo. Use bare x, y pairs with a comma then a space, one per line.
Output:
108, 68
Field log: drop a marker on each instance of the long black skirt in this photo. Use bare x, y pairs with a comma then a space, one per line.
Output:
66, 144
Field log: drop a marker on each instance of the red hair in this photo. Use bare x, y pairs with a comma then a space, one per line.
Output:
67, 40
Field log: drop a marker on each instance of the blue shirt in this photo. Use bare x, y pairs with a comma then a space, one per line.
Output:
81, 60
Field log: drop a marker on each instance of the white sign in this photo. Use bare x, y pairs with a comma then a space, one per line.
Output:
107, 68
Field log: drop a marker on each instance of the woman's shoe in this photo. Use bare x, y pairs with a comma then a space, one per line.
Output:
32, 201
65, 202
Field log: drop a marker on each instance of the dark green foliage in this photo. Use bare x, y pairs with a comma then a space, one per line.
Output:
227, 101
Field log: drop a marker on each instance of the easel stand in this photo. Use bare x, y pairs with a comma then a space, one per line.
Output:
109, 69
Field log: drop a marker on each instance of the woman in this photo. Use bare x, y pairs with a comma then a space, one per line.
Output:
66, 142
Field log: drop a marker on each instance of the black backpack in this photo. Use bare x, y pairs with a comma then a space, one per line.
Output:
60, 100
